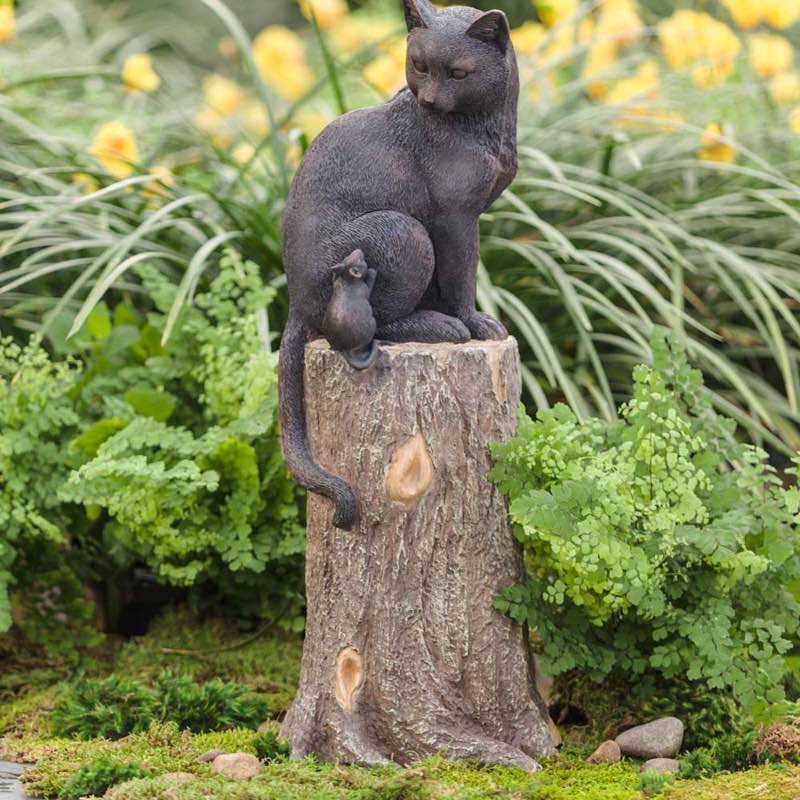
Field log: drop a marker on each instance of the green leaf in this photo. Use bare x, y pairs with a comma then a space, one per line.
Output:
157, 405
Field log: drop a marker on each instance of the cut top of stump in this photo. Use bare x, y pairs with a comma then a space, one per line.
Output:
501, 357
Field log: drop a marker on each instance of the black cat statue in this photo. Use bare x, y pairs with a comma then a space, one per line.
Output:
399, 187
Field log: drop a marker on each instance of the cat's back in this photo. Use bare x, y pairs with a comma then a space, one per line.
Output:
362, 161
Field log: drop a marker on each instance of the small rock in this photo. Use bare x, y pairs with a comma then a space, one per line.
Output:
239, 766
210, 755
607, 753
659, 739
661, 765
179, 776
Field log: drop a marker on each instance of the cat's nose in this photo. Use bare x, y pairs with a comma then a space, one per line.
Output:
426, 102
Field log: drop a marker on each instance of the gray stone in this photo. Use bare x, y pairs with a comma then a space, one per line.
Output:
209, 756
661, 765
661, 738
239, 766
10, 785
607, 753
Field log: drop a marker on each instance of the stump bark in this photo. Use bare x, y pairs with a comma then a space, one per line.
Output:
404, 654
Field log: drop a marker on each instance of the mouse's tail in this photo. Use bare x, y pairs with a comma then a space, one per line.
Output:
294, 435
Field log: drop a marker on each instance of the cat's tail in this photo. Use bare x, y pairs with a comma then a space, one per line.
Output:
294, 435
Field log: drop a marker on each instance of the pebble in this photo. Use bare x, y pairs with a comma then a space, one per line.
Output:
210, 755
239, 766
607, 753
661, 738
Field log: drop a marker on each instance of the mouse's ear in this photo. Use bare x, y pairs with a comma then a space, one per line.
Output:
418, 13
339, 269
356, 257
491, 27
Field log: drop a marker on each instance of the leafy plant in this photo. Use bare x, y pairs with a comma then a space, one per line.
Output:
106, 708
213, 706
97, 778
114, 707
37, 417
658, 544
729, 753
196, 496
654, 784
127, 452
270, 747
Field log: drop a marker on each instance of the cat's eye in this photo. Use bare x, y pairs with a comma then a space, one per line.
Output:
458, 74
419, 66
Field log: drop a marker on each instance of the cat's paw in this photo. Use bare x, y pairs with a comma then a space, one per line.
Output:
484, 326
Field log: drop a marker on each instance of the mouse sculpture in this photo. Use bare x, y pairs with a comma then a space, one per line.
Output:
400, 187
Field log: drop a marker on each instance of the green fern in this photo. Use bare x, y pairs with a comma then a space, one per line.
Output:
656, 544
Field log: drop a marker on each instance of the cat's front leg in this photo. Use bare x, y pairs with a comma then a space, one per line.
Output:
456, 245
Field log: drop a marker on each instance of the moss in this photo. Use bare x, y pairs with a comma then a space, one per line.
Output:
774, 783
161, 749
27, 714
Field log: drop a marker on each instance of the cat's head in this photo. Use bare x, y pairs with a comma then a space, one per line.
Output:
459, 60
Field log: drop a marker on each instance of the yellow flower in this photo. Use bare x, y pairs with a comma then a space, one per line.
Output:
528, 38
565, 39
598, 60
387, 73
115, 148
714, 147
695, 40
356, 31
281, 58
86, 182
643, 84
138, 73
243, 152
223, 96
794, 120
781, 13
326, 12
8, 22
770, 54
746, 13
164, 179
785, 88
620, 20
551, 12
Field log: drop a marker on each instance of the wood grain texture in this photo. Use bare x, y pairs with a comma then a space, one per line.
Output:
400, 609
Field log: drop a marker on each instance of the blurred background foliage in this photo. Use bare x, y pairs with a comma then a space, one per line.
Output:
145, 152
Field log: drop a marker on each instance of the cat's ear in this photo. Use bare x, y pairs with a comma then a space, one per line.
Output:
418, 13
491, 27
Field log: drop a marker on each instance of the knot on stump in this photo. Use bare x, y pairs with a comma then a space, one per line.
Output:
348, 677
410, 473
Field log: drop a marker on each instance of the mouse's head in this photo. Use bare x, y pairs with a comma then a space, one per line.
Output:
459, 60
353, 268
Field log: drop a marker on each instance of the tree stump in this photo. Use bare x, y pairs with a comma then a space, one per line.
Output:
404, 654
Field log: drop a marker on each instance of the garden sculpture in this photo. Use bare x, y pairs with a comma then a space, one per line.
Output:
381, 224
404, 654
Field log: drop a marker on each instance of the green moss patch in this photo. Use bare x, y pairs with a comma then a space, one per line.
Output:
770, 783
